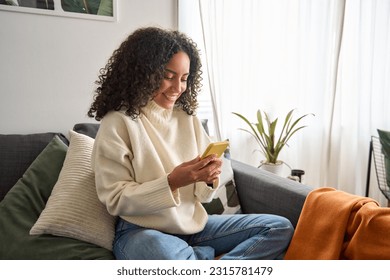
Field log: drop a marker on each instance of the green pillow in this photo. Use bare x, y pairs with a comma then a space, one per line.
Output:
384, 137
22, 206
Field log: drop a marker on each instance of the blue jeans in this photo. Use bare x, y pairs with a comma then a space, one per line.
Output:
235, 237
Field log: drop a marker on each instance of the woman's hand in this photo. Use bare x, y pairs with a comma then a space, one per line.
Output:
196, 170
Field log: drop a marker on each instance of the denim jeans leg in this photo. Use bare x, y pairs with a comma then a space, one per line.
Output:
247, 236
138, 243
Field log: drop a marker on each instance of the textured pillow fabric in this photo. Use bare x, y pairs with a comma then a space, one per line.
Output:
73, 209
22, 205
384, 138
17, 152
226, 200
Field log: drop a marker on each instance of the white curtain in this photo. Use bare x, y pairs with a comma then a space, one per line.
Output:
362, 97
327, 57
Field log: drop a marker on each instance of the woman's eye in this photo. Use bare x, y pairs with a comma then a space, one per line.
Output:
170, 78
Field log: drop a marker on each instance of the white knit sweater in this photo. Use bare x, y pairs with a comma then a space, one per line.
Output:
132, 158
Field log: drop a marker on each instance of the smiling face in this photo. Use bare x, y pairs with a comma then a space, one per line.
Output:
174, 82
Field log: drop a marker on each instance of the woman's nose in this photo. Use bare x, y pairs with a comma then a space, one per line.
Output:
176, 85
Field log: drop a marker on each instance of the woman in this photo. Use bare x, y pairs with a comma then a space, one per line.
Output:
147, 165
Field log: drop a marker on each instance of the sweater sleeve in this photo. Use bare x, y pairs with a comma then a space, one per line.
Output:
204, 192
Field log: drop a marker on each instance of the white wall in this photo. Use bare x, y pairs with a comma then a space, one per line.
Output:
48, 65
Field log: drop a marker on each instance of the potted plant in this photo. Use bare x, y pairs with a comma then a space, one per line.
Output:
264, 131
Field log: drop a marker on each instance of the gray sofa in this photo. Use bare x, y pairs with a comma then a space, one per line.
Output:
21, 202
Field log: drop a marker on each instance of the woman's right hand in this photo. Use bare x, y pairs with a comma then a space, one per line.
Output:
196, 170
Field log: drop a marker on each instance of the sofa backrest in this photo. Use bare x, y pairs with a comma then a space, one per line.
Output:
17, 152
89, 129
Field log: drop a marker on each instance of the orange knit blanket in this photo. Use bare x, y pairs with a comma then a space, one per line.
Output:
338, 225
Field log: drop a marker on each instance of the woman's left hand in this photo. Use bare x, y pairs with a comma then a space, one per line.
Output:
196, 170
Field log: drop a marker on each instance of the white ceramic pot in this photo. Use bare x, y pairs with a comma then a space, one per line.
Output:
276, 168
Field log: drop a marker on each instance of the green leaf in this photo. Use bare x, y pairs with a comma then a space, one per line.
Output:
264, 131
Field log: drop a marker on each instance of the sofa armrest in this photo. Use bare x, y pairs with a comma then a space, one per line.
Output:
260, 191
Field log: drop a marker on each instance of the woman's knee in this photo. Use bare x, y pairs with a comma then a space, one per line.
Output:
275, 221
283, 231
280, 227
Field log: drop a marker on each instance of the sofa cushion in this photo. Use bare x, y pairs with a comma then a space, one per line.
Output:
73, 209
17, 152
22, 206
226, 199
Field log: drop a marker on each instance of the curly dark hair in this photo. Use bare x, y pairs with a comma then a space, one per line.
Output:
136, 69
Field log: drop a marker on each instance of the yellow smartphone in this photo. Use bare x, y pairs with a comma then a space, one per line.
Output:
215, 148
